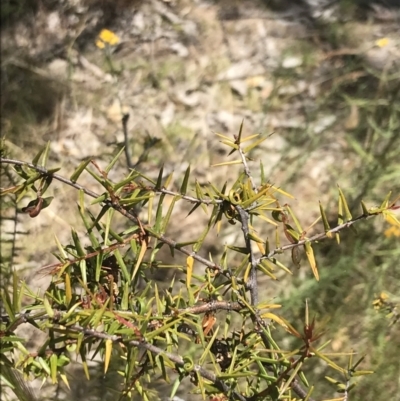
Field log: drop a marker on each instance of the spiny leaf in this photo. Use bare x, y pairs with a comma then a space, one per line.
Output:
107, 354
47, 306
203, 236
113, 161
128, 180
185, 182
8, 304
248, 138
158, 222
260, 193
68, 289
121, 264
44, 365
281, 265
143, 250
262, 173
345, 206
82, 166
282, 322
189, 270
311, 259
217, 191
231, 145
168, 180
364, 209
200, 196
196, 205
53, 368
262, 217
385, 202
45, 183
324, 218
209, 345
110, 213
294, 218
159, 179
254, 144
43, 154
330, 362
229, 163
65, 380
254, 237
265, 268
362, 373
98, 315
83, 269
224, 137
239, 138
310, 390
77, 243
167, 217
291, 378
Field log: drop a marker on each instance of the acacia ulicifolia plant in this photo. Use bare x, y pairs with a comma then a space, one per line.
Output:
102, 302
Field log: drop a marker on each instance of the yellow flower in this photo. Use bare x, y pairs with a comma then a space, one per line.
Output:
393, 231
107, 37
383, 42
381, 301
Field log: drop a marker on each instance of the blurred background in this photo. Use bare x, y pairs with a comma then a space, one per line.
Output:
322, 75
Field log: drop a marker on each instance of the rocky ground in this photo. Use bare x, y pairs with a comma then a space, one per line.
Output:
187, 69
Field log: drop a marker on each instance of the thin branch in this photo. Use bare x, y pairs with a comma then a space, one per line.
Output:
252, 285
131, 216
215, 306
177, 359
244, 218
211, 265
298, 389
316, 237
128, 214
246, 168
54, 267
58, 177
190, 198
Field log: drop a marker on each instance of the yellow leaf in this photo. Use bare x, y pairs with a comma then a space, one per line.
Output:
68, 289
189, 266
64, 379
227, 163
311, 259
282, 322
107, 355
143, 250
53, 368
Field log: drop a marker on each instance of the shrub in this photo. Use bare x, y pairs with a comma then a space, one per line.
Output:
210, 324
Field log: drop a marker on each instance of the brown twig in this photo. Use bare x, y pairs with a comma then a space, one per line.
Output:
177, 359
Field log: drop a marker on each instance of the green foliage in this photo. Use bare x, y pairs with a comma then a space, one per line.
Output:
211, 325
